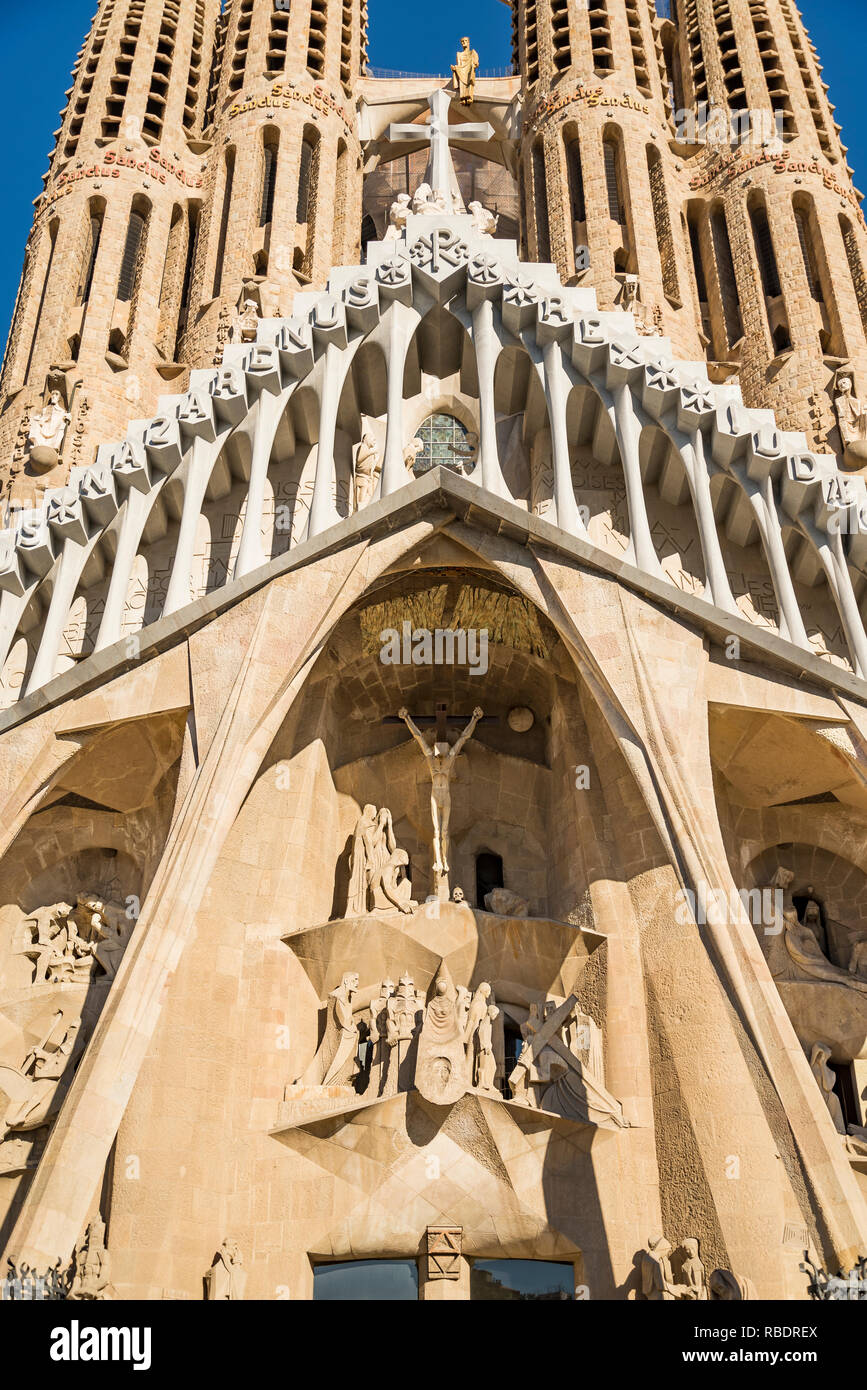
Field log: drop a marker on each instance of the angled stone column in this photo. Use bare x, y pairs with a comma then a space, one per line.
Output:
269, 412
557, 386
488, 472
764, 504
135, 513
692, 452
323, 512
626, 427
199, 466
830, 547
401, 322
72, 561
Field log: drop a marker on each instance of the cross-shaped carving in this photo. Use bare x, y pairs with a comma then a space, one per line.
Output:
438, 134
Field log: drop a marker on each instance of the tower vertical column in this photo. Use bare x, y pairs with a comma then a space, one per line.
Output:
779, 192
602, 195
92, 314
284, 192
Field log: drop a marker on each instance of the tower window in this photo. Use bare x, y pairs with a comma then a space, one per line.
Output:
664, 238
576, 180
697, 261
224, 221
269, 179
129, 262
540, 202
612, 182
52, 243
802, 222
304, 171
560, 34
856, 267
600, 36
727, 280
765, 252
88, 263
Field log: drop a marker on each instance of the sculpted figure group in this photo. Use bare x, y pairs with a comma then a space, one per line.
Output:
378, 868
74, 944
444, 1046
658, 1283
35, 1089
796, 952
388, 1039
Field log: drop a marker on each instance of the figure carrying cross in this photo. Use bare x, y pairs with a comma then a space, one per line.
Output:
440, 174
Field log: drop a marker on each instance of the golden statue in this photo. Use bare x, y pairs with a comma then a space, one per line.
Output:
464, 70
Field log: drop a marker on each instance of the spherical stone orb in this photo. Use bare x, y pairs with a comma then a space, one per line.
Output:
521, 719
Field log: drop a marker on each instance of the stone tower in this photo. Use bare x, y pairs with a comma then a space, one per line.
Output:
283, 194
105, 288
777, 232
693, 144
601, 183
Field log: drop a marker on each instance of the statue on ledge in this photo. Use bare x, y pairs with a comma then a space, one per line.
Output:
91, 1280
397, 215
852, 420
373, 846
796, 953
245, 326
819, 1059
336, 1062
464, 70
69, 943
226, 1279
485, 222
427, 203
443, 1072
411, 453
47, 432
560, 1067
368, 467
391, 887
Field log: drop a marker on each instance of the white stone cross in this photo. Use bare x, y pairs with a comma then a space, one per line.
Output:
438, 133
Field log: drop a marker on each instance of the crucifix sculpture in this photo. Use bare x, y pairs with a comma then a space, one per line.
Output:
438, 134
440, 758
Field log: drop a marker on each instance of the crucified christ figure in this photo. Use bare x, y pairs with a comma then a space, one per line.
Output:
440, 759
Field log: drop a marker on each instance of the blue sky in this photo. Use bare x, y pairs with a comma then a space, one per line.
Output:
33, 42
